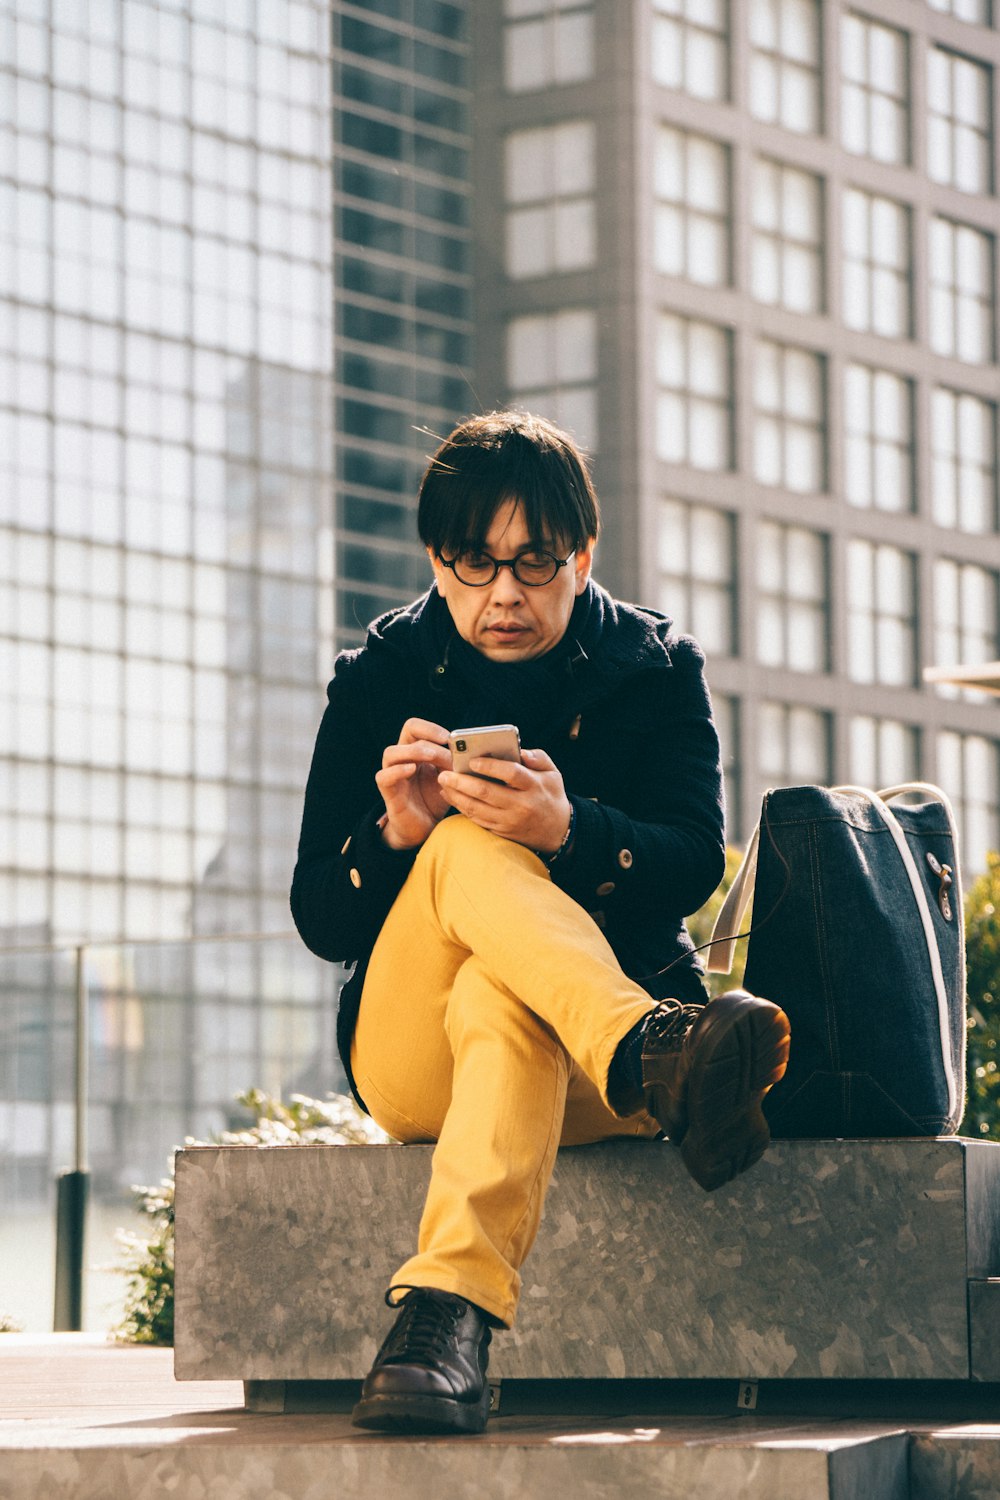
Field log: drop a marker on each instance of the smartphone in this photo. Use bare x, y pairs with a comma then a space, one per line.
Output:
501, 741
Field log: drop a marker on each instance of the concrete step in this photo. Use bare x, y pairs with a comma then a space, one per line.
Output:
84, 1422
952, 1462
830, 1260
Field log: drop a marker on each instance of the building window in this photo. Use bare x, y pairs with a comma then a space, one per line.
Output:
961, 291
785, 63
884, 752
876, 264
691, 226
694, 404
547, 42
881, 614
875, 95
552, 368
878, 446
793, 624
965, 618
697, 572
968, 768
787, 256
963, 461
793, 745
976, 11
959, 121
789, 446
550, 184
691, 46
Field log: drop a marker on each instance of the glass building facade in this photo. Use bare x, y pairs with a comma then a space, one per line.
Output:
166, 566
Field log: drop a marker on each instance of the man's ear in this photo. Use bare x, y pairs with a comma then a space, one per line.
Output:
436, 565
583, 563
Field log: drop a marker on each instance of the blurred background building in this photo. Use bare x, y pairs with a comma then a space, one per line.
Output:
256, 256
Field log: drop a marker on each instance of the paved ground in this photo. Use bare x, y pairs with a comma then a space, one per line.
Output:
80, 1417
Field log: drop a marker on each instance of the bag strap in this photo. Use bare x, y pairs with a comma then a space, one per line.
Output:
722, 955
879, 800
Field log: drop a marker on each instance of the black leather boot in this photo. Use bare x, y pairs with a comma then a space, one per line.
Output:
430, 1373
705, 1071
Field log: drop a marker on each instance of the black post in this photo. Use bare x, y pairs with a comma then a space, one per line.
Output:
71, 1213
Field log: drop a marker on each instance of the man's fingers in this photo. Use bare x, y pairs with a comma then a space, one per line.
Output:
390, 776
422, 729
421, 751
538, 760
508, 771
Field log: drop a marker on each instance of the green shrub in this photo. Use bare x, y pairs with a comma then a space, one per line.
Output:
148, 1262
982, 948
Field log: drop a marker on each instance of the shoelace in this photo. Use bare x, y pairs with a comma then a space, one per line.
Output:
670, 1022
424, 1327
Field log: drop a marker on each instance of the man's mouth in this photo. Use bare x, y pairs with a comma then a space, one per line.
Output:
506, 631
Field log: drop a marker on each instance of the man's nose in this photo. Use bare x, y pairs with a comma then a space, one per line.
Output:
506, 586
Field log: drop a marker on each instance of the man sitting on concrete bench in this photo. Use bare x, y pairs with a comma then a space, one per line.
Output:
524, 977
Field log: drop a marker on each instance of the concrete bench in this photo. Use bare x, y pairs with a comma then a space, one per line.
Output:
865, 1261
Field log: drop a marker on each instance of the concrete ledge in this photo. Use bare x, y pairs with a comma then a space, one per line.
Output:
831, 1259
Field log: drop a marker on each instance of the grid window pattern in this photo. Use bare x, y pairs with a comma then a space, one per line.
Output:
550, 186
968, 767
977, 12
789, 418
884, 752
690, 47
697, 572
787, 253
963, 461
785, 75
966, 616
552, 368
793, 745
694, 403
961, 291
164, 462
881, 614
875, 95
959, 121
878, 439
547, 43
877, 274
692, 215
793, 598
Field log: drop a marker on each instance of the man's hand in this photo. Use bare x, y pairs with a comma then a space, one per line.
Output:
408, 783
530, 807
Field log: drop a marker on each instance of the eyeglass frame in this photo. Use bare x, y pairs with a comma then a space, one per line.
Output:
511, 563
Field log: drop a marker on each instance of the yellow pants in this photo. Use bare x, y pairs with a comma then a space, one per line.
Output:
490, 1014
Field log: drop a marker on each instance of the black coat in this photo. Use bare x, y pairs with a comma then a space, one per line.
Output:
634, 739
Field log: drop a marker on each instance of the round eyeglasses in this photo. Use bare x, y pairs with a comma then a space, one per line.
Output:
533, 569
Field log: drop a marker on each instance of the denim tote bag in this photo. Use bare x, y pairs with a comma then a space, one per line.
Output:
858, 936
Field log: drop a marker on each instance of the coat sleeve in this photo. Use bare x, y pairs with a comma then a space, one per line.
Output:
346, 878
656, 848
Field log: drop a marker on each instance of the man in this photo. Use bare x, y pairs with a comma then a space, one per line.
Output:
514, 928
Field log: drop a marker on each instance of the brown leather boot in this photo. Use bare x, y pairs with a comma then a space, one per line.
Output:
705, 1071
430, 1373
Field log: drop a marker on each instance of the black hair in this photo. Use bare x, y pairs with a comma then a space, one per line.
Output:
502, 456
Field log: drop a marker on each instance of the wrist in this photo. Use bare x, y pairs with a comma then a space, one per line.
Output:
389, 836
564, 847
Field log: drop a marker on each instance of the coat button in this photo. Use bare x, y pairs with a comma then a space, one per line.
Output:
356, 879
605, 888
625, 858
347, 845
600, 919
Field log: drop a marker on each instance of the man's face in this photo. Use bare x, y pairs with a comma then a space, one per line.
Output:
508, 620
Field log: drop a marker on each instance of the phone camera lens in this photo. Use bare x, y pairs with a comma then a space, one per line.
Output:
460, 745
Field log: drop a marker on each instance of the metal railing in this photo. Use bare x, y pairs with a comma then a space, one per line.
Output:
73, 1183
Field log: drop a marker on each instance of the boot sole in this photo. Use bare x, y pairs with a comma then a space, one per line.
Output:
741, 1054
418, 1414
